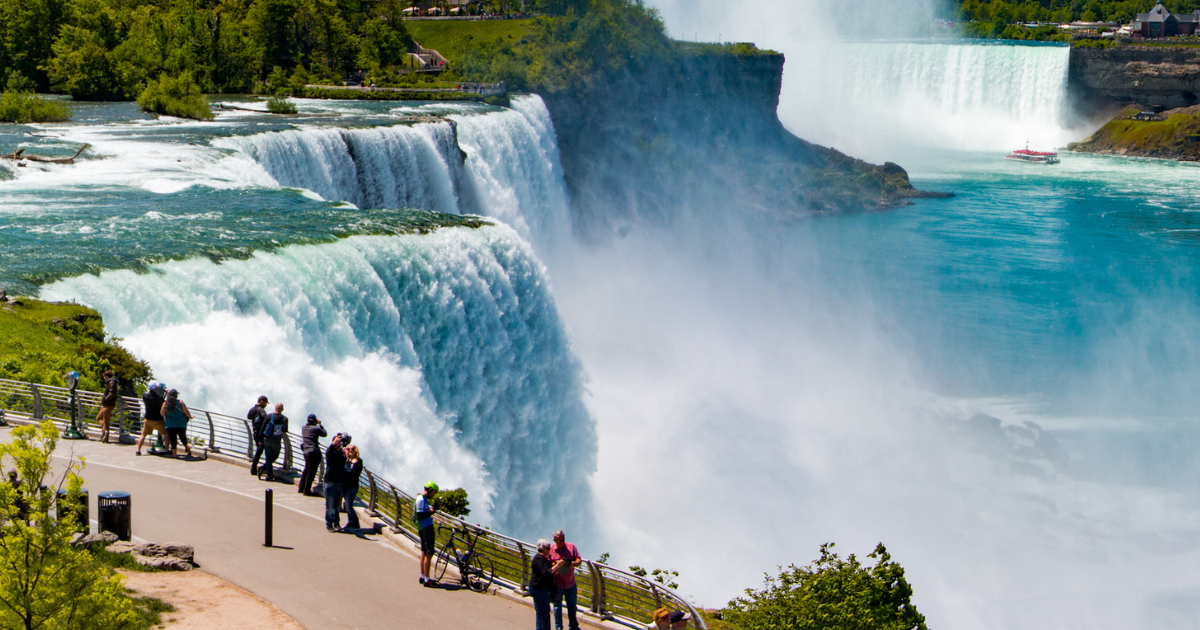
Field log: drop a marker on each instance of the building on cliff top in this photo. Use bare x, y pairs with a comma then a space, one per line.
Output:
1160, 22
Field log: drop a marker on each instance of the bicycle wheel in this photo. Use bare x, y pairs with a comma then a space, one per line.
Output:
479, 572
442, 561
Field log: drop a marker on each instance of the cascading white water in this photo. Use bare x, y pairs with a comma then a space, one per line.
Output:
879, 100
511, 171
514, 169
445, 351
399, 166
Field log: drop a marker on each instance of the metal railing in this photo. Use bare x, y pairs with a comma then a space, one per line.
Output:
604, 591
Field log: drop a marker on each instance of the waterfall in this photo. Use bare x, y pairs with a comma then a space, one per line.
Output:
514, 169
511, 169
401, 166
445, 352
880, 100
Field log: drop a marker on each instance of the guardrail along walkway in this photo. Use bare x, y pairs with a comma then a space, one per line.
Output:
604, 591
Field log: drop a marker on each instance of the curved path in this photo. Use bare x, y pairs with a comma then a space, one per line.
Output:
323, 580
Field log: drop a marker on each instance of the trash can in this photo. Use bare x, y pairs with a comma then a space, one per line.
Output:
114, 510
80, 521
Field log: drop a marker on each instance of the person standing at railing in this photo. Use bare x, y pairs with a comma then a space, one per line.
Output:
175, 417
309, 435
423, 514
354, 468
335, 471
274, 431
152, 418
541, 584
108, 403
566, 558
258, 419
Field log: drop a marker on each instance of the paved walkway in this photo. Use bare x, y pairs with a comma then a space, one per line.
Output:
323, 580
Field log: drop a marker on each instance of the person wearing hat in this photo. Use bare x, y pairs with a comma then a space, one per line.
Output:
258, 420
679, 620
335, 474
108, 403
273, 436
152, 418
309, 434
423, 515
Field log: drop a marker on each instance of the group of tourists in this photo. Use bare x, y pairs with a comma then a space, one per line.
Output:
162, 411
552, 578
552, 569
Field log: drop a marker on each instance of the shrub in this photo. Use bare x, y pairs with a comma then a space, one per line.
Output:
175, 96
20, 105
45, 582
452, 502
280, 105
831, 594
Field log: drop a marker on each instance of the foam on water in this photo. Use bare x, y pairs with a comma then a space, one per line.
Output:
446, 350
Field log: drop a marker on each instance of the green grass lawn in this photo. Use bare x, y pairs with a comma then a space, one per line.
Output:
450, 37
42, 341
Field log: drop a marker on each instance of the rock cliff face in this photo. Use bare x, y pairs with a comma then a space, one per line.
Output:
1101, 78
698, 134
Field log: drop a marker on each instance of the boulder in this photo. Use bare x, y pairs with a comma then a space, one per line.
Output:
98, 537
171, 557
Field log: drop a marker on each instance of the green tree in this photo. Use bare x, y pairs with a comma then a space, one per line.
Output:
831, 594
175, 96
452, 502
45, 582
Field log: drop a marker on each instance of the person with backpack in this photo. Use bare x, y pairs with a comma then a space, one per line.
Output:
309, 434
176, 416
335, 473
258, 419
152, 418
423, 515
274, 429
108, 403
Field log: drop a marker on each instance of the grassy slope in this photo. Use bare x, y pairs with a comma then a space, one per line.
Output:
449, 36
42, 341
1160, 138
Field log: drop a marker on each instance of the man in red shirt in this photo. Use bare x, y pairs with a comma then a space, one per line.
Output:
564, 557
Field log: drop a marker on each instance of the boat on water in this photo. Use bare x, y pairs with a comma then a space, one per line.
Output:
1036, 157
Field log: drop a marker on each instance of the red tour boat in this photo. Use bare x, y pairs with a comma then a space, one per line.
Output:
1037, 157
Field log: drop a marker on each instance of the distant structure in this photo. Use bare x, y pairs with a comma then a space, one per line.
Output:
1160, 22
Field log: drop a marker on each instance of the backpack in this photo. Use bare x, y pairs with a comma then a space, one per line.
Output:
253, 413
273, 430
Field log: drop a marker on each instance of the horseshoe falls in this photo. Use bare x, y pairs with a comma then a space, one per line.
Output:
877, 98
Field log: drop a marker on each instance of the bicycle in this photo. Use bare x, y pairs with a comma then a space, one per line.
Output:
475, 569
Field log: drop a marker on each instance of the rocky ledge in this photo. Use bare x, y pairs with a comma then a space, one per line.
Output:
1172, 135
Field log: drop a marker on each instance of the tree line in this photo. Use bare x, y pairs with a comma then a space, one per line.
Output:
115, 49
1001, 18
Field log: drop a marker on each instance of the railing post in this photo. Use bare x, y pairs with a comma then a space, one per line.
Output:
657, 597
601, 603
250, 446
37, 402
399, 512
374, 495
287, 452
597, 588
524, 567
212, 434
123, 414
